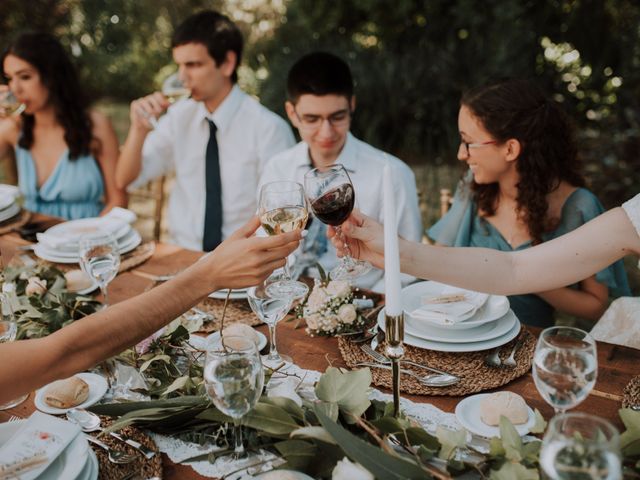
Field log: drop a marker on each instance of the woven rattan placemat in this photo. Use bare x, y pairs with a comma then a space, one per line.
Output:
13, 223
631, 393
141, 466
238, 311
469, 366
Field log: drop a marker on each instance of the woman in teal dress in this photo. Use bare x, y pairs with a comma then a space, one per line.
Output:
524, 188
65, 153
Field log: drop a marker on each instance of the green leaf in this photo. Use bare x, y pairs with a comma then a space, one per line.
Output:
317, 433
381, 464
511, 440
349, 389
630, 438
540, 424
270, 419
298, 453
158, 358
178, 383
450, 441
330, 409
496, 449
119, 409
287, 405
511, 471
406, 434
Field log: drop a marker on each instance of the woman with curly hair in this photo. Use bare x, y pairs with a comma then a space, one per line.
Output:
66, 154
524, 188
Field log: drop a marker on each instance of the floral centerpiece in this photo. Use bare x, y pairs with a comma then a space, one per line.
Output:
41, 302
330, 309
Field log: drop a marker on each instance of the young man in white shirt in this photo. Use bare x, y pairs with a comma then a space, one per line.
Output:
217, 141
320, 105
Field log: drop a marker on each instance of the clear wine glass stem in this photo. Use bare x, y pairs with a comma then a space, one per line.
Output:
238, 450
273, 349
104, 290
347, 260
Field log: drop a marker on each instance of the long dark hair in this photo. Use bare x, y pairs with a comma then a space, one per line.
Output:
45, 53
518, 109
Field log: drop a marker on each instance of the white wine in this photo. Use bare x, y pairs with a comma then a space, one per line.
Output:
177, 94
11, 108
283, 220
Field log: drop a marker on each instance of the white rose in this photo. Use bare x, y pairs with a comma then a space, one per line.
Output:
347, 313
347, 470
317, 298
312, 321
338, 288
35, 286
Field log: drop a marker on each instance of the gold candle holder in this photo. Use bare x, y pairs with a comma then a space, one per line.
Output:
394, 330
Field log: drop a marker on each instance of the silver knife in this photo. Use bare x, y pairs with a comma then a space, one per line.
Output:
147, 452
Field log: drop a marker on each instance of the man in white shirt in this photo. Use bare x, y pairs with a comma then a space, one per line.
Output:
320, 104
217, 141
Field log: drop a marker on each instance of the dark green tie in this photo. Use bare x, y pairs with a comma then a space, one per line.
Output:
213, 203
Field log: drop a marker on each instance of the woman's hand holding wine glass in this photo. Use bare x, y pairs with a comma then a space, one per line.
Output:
9, 104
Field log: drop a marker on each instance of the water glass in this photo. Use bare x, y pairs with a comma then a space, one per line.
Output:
565, 366
234, 378
581, 446
8, 332
100, 259
270, 310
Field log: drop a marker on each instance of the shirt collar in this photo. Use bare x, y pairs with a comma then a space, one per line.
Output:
347, 157
223, 115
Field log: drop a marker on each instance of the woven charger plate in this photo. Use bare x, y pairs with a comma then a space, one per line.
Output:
238, 311
141, 466
469, 366
19, 220
631, 393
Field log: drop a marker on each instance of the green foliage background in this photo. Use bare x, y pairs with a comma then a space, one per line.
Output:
411, 60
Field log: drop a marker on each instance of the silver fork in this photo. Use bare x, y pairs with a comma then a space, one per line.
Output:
14, 418
511, 360
493, 359
380, 358
115, 456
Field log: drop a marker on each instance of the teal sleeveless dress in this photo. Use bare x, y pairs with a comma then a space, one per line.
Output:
75, 188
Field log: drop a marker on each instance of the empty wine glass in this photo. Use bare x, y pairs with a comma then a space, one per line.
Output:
100, 259
579, 445
565, 366
174, 89
332, 197
8, 333
234, 378
270, 310
282, 208
9, 104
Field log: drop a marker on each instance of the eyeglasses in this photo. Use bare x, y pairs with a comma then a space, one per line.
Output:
337, 119
467, 146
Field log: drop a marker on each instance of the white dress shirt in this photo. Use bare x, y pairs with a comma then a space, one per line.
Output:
248, 135
365, 165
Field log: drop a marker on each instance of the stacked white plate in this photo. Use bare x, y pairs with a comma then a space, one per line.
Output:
9, 206
491, 325
76, 462
60, 243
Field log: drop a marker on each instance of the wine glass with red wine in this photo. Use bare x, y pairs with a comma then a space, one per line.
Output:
331, 196
282, 208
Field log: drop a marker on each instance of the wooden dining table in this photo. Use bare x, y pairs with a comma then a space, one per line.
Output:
616, 365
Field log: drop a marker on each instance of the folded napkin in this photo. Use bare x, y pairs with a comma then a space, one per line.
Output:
451, 306
124, 214
41, 437
620, 324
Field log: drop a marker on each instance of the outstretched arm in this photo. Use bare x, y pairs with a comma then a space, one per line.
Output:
559, 262
240, 261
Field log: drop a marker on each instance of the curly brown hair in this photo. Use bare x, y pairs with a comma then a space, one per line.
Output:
518, 109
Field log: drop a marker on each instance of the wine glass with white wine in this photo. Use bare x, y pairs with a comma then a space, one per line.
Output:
100, 259
174, 89
282, 208
9, 104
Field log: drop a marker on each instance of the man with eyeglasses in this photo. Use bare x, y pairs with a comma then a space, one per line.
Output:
320, 105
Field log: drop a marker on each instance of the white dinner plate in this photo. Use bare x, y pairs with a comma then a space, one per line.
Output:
74, 229
90, 469
239, 294
125, 242
215, 336
69, 464
9, 212
468, 414
6, 200
495, 307
97, 388
458, 346
46, 253
483, 332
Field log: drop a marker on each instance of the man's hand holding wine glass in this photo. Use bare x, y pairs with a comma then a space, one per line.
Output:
365, 238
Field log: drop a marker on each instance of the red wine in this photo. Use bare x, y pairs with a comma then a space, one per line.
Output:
334, 207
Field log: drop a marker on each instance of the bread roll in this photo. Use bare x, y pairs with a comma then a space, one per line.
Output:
509, 404
241, 330
66, 393
77, 280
